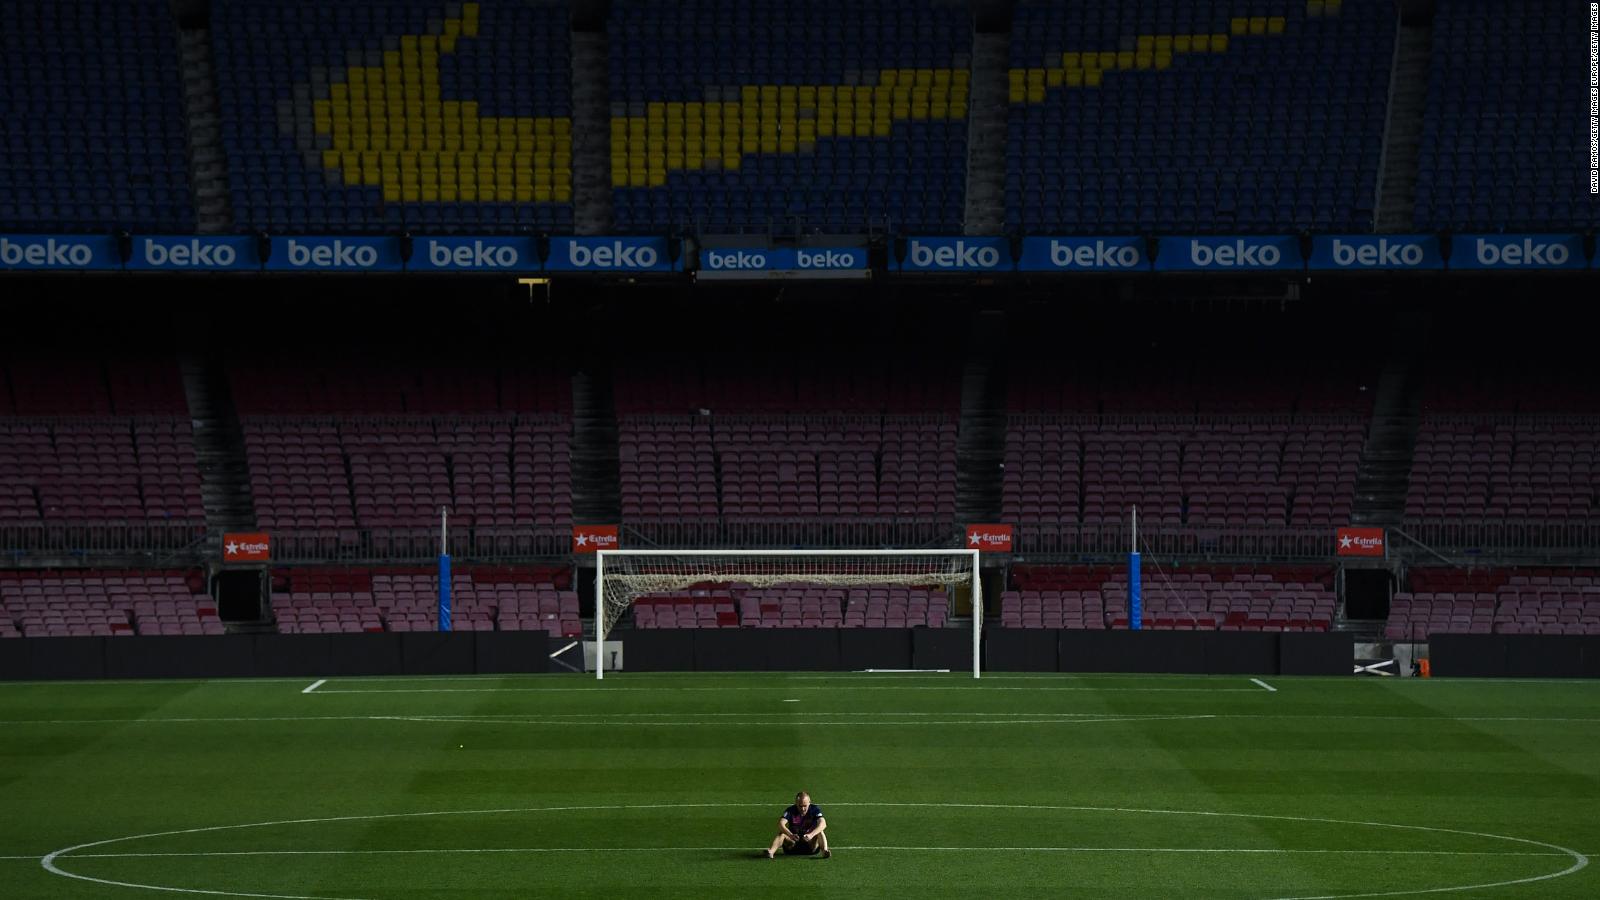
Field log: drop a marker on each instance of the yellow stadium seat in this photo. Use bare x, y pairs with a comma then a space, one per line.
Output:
1219, 43
1036, 94
1239, 25
330, 159
1017, 78
941, 77
1053, 77
563, 193
1275, 24
1163, 59
391, 192
524, 192
1073, 78
468, 193
731, 160
924, 78
448, 193
411, 193
505, 193
844, 128
1091, 78
1144, 59
1201, 43
430, 193
1332, 7
1036, 77
1313, 8
1258, 25
1018, 93
880, 128
1125, 59
1180, 43
1145, 42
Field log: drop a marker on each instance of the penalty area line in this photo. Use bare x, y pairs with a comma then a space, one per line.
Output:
314, 685
1269, 687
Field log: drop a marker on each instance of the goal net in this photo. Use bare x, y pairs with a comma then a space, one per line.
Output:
623, 577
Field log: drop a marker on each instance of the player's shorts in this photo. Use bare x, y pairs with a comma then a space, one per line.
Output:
799, 849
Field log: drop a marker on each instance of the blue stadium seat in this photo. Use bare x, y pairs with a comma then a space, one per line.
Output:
1498, 120
93, 134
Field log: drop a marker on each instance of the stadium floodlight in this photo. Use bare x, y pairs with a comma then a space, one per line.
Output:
623, 576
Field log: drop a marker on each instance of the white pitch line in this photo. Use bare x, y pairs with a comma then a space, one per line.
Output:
1269, 687
1023, 719
447, 850
314, 685
628, 688
768, 718
1580, 861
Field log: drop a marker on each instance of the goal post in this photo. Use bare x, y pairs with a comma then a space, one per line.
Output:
624, 576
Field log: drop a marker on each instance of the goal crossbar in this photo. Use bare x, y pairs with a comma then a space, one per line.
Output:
622, 576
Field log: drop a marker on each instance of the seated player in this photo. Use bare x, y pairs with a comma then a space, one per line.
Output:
800, 830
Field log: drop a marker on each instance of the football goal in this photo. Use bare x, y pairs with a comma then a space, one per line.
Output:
624, 576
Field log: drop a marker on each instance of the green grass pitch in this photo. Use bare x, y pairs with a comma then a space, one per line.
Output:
669, 785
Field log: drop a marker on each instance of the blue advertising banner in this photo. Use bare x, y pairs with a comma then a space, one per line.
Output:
1361, 252
183, 253
1228, 254
473, 254
735, 263
608, 254
335, 254
970, 254
1073, 254
1517, 251
66, 252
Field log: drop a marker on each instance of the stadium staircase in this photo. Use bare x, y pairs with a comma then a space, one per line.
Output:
981, 446
219, 451
208, 165
1397, 182
596, 470
986, 136
1385, 470
591, 133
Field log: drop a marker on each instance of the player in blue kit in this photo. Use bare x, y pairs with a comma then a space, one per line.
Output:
800, 830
